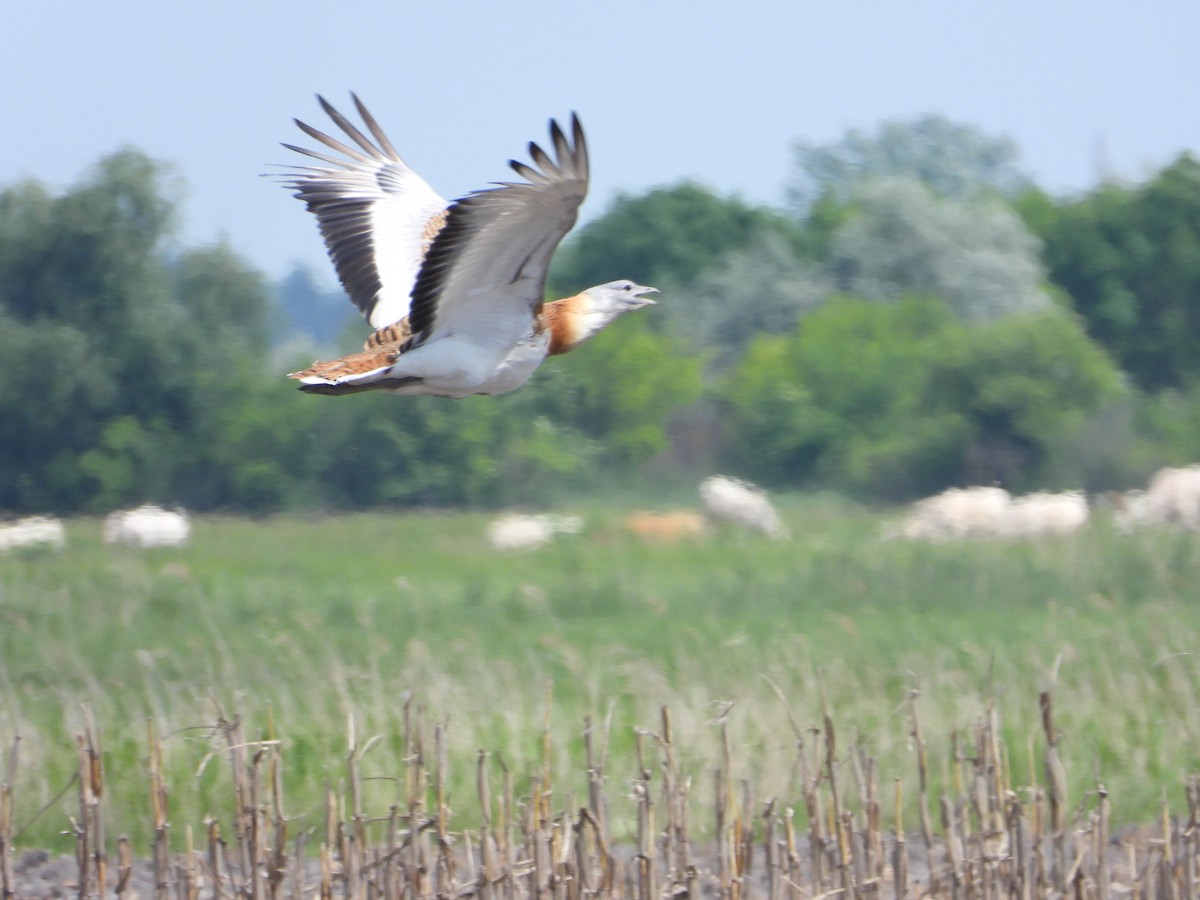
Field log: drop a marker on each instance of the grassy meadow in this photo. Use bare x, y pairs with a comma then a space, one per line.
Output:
303, 626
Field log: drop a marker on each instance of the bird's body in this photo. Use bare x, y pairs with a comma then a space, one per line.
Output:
455, 292
561, 326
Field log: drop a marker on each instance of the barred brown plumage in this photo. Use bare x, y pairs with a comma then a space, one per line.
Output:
396, 333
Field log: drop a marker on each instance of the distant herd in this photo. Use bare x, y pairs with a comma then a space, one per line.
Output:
727, 501
146, 526
1172, 498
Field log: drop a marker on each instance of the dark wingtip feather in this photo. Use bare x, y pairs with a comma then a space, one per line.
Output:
542, 159
525, 171
374, 128
561, 147
351, 131
327, 106
581, 151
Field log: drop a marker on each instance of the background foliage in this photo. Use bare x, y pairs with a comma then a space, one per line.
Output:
920, 315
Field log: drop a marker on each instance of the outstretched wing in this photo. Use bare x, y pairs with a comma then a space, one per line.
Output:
378, 216
485, 274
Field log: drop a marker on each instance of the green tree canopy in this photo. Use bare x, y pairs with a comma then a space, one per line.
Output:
127, 350
1129, 257
901, 399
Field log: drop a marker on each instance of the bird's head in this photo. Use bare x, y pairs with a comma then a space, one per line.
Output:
617, 298
576, 319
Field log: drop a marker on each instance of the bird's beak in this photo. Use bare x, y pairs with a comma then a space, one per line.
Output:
639, 301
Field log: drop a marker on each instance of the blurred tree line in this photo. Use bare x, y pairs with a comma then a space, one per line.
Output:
919, 315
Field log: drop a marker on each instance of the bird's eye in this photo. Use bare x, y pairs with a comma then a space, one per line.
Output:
627, 287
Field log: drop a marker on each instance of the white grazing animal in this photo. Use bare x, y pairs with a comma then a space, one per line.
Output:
33, 532
147, 526
1173, 497
736, 502
1044, 513
991, 512
958, 513
455, 292
516, 531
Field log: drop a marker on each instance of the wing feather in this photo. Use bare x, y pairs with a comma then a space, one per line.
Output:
543, 161
353, 133
373, 211
332, 144
485, 274
561, 147
381, 139
528, 172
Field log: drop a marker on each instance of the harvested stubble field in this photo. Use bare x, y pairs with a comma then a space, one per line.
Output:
288, 699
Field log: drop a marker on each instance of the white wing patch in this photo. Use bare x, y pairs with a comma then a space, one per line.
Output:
373, 211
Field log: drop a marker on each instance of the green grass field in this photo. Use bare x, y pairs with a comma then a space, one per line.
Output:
312, 622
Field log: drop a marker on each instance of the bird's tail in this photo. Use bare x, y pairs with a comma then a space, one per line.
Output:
356, 372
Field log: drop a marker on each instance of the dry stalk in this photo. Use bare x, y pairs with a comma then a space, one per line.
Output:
124, 865
645, 826
417, 781
190, 871
923, 791
448, 875
745, 835
90, 852
841, 823
351, 839
1056, 785
814, 807
674, 791
771, 853
488, 844
277, 870
158, 809
1103, 880
595, 757
899, 847
8, 886
953, 848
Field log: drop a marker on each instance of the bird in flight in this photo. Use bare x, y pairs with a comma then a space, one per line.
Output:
454, 291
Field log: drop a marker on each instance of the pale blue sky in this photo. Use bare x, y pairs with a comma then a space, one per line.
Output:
666, 90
